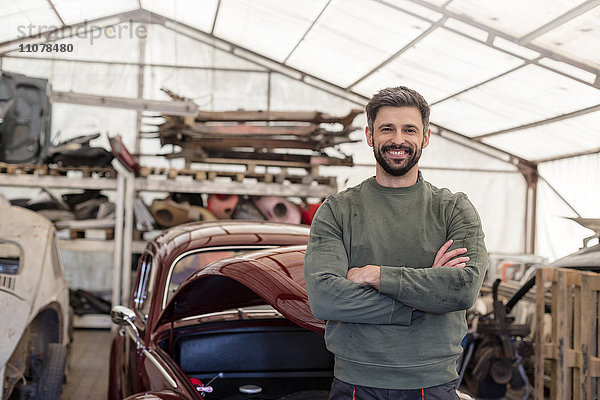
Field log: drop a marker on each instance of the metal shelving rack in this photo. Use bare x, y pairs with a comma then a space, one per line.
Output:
126, 185
164, 184
115, 245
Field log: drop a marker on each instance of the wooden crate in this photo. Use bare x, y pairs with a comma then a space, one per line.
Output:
572, 348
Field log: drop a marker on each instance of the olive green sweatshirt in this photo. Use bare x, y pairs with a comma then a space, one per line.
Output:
407, 335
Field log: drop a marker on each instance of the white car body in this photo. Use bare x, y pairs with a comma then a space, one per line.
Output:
34, 297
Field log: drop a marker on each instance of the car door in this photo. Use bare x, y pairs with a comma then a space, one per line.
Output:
127, 353
148, 368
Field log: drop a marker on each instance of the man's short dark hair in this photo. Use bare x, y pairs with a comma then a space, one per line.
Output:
400, 96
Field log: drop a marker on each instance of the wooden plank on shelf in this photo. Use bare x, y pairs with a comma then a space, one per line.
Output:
256, 188
297, 116
253, 162
314, 158
103, 246
41, 175
237, 176
67, 182
260, 130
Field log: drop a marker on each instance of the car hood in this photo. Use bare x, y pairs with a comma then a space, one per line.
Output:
274, 276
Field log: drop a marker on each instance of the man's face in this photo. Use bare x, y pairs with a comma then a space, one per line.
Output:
397, 138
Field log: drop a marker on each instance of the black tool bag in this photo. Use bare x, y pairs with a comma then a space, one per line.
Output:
25, 115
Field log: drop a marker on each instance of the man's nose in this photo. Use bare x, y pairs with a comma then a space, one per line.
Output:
398, 138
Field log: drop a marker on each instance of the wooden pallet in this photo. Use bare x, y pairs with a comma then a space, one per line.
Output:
55, 170
571, 351
282, 177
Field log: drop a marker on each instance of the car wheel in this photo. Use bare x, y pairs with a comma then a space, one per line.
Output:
307, 395
53, 372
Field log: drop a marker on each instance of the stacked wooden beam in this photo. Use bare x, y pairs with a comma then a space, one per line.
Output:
273, 136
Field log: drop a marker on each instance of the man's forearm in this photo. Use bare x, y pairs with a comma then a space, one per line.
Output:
370, 275
438, 290
336, 298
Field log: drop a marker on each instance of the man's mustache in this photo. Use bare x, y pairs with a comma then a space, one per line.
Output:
391, 147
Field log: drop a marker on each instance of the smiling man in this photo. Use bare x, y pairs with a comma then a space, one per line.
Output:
393, 263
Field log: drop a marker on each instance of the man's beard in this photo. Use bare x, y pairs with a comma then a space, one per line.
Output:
401, 166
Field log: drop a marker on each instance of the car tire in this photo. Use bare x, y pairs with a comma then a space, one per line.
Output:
307, 395
53, 372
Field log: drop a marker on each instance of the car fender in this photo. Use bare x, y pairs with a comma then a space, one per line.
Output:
14, 326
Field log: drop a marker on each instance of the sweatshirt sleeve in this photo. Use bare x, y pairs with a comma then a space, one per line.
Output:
333, 297
444, 289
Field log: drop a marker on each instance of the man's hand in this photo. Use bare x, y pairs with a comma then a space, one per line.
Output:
369, 275
443, 259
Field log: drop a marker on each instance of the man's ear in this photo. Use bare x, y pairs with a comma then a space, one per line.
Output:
369, 136
426, 138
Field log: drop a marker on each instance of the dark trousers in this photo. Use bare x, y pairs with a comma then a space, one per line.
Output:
345, 391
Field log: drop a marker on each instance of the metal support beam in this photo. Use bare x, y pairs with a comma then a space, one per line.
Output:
560, 196
255, 58
165, 107
269, 82
135, 64
531, 175
566, 17
540, 123
214, 24
480, 83
569, 155
144, 16
492, 33
306, 33
423, 35
127, 236
140, 93
425, 168
477, 146
51, 4
118, 243
72, 30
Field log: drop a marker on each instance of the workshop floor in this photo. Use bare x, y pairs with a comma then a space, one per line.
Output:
89, 365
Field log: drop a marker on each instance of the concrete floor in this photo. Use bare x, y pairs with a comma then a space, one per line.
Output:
88, 372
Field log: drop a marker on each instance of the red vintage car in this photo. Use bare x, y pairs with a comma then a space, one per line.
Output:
219, 311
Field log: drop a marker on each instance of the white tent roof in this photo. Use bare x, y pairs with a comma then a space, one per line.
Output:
517, 81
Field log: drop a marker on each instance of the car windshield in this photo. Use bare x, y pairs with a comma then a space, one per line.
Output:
192, 262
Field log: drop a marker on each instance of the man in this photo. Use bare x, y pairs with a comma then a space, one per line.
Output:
392, 264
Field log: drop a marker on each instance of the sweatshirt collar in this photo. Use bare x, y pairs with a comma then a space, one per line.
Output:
394, 190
